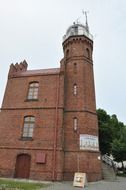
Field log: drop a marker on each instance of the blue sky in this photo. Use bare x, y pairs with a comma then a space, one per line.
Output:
33, 30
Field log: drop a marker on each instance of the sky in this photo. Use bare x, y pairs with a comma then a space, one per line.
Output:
33, 30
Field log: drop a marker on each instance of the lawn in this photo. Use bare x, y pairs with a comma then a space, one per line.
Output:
19, 185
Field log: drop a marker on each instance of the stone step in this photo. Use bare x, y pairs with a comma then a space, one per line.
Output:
108, 172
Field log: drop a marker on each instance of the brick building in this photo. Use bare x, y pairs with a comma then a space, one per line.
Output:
48, 121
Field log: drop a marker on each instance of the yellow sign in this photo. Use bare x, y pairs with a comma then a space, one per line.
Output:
80, 180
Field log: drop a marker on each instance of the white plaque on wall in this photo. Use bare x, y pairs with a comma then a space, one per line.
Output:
89, 142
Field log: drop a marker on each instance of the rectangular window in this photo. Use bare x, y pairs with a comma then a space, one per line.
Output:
29, 122
33, 91
75, 89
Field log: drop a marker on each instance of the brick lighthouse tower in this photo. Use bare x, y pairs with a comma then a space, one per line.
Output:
80, 120
48, 120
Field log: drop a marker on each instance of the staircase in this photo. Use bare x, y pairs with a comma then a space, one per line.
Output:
108, 168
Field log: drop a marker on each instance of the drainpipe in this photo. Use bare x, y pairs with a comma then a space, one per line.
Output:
55, 129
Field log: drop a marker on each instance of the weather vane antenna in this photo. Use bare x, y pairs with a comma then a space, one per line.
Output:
86, 23
77, 21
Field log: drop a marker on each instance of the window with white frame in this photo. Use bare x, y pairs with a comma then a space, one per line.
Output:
33, 91
29, 122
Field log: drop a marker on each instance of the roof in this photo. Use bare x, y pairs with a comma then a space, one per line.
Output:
51, 71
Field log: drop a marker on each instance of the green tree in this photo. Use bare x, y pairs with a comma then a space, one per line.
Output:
119, 151
105, 131
112, 136
110, 128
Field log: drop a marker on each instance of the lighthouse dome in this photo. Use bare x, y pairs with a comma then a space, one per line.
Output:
77, 29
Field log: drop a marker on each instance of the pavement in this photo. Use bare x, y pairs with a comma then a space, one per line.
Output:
119, 184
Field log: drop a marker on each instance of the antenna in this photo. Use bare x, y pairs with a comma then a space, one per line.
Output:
77, 21
85, 13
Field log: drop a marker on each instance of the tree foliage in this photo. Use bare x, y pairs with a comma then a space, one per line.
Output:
119, 150
105, 131
112, 135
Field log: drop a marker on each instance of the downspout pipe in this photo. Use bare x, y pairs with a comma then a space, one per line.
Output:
55, 129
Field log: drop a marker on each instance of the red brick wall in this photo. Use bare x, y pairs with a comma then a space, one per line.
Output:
82, 106
14, 108
84, 161
17, 90
54, 112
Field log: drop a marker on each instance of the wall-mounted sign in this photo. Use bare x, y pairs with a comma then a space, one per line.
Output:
80, 180
89, 142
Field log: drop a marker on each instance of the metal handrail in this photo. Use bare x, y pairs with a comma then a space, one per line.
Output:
109, 161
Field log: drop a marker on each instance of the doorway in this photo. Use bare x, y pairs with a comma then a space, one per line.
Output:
22, 167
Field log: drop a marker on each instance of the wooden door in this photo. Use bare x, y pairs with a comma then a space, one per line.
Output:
22, 168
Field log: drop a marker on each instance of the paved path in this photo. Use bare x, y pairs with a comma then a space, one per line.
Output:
119, 184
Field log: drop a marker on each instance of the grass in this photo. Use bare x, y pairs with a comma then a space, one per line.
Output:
19, 185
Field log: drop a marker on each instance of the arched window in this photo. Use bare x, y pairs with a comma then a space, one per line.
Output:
75, 67
67, 53
75, 89
75, 123
33, 91
29, 122
87, 53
